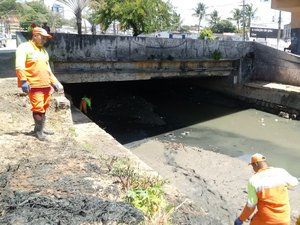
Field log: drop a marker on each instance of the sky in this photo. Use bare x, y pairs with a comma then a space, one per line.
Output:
224, 7
264, 12
185, 8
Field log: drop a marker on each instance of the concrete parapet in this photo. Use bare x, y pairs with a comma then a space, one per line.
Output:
72, 47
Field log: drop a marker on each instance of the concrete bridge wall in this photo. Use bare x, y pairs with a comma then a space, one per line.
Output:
276, 66
89, 58
71, 47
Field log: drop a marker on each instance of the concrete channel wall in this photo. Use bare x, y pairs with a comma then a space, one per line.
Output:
276, 66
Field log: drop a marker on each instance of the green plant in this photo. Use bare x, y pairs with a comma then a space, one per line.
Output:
206, 34
216, 55
144, 191
148, 200
122, 168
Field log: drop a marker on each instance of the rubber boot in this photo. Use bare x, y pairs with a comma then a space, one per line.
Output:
46, 131
38, 129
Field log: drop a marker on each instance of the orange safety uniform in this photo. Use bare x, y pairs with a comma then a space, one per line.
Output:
267, 191
32, 65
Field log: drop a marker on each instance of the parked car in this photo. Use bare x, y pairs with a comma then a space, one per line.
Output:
3, 40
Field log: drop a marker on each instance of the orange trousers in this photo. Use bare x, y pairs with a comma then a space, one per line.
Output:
40, 99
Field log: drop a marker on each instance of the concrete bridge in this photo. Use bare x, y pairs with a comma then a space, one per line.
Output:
89, 58
99, 58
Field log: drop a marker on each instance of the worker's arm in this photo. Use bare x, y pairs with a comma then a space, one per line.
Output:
246, 213
21, 63
251, 203
291, 180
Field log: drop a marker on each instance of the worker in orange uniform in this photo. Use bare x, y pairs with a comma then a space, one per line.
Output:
84, 103
36, 78
268, 193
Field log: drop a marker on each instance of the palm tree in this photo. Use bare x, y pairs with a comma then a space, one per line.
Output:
237, 15
77, 6
249, 13
214, 18
200, 11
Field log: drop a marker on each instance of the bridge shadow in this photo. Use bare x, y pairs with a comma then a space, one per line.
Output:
133, 111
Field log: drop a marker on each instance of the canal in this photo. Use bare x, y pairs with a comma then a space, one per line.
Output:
180, 112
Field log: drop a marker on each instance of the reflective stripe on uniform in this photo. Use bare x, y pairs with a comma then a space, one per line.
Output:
32, 65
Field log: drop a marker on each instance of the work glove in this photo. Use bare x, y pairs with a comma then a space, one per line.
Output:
56, 86
238, 221
25, 86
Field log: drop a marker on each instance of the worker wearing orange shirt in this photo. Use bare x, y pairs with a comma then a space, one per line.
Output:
36, 78
268, 193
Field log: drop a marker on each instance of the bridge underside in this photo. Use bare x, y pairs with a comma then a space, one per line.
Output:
105, 71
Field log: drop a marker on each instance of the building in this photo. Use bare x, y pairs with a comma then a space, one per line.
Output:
56, 8
292, 6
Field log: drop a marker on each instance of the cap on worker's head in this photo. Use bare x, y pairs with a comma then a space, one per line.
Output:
257, 157
41, 31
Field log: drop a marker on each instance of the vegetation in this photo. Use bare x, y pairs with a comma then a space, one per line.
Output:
33, 12
144, 192
200, 12
237, 16
7, 8
216, 54
214, 18
28, 13
249, 14
142, 16
224, 26
77, 7
206, 34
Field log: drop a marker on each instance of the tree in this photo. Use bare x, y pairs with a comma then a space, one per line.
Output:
214, 18
77, 7
7, 8
249, 14
223, 26
176, 22
142, 16
237, 16
33, 12
102, 12
200, 11
206, 34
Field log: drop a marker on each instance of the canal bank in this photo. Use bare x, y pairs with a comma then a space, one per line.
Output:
72, 157
66, 180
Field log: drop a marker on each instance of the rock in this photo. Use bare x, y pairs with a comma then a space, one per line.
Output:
61, 103
284, 115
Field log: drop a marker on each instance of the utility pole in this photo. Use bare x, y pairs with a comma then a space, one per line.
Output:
244, 22
279, 29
